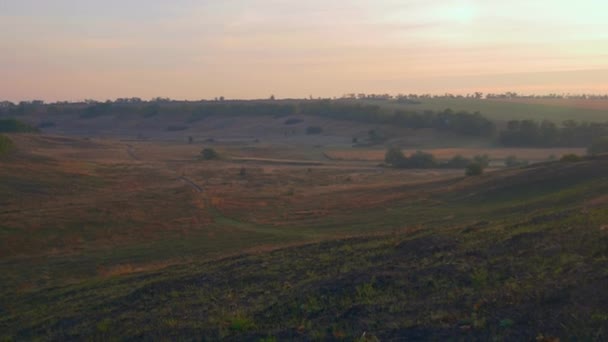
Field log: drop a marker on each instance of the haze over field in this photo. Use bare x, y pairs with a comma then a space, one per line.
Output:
71, 50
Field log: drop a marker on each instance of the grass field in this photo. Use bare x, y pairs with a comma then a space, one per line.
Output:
142, 240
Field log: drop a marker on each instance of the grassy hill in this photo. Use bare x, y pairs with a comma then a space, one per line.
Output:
297, 252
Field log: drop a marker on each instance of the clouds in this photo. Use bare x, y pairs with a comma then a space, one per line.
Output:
72, 49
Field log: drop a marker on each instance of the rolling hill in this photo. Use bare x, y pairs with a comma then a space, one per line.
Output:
517, 254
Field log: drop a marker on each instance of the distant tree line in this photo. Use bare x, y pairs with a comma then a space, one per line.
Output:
465, 123
530, 133
472, 124
518, 133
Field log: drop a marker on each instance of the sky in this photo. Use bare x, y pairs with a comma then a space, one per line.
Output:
187, 49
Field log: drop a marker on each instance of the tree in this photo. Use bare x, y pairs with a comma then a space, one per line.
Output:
209, 154
421, 160
599, 146
474, 169
482, 159
394, 157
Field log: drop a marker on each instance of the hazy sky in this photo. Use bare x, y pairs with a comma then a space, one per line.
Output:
187, 49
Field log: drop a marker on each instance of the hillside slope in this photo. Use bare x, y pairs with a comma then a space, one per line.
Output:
515, 255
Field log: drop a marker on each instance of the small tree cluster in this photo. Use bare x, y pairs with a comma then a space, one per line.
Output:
419, 160
474, 169
210, 154
424, 160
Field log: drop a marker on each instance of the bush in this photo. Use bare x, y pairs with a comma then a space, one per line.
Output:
394, 156
418, 160
599, 146
474, 169
482, 159
571, 158
422, 160
16, 126
210, 154
313, 130
6, 145
512, 161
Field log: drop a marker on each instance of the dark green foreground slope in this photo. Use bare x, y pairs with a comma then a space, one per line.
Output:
525, 258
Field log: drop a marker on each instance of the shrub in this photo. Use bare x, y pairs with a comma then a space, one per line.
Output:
418, 160
482, 159
210, 154
16, 126
512, 161
394, 156
474, 169
421, 160
571, 158
6, 145
314, 130
599, 146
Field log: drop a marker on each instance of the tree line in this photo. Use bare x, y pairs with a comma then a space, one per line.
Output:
517, 133
530, 133
473, 124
